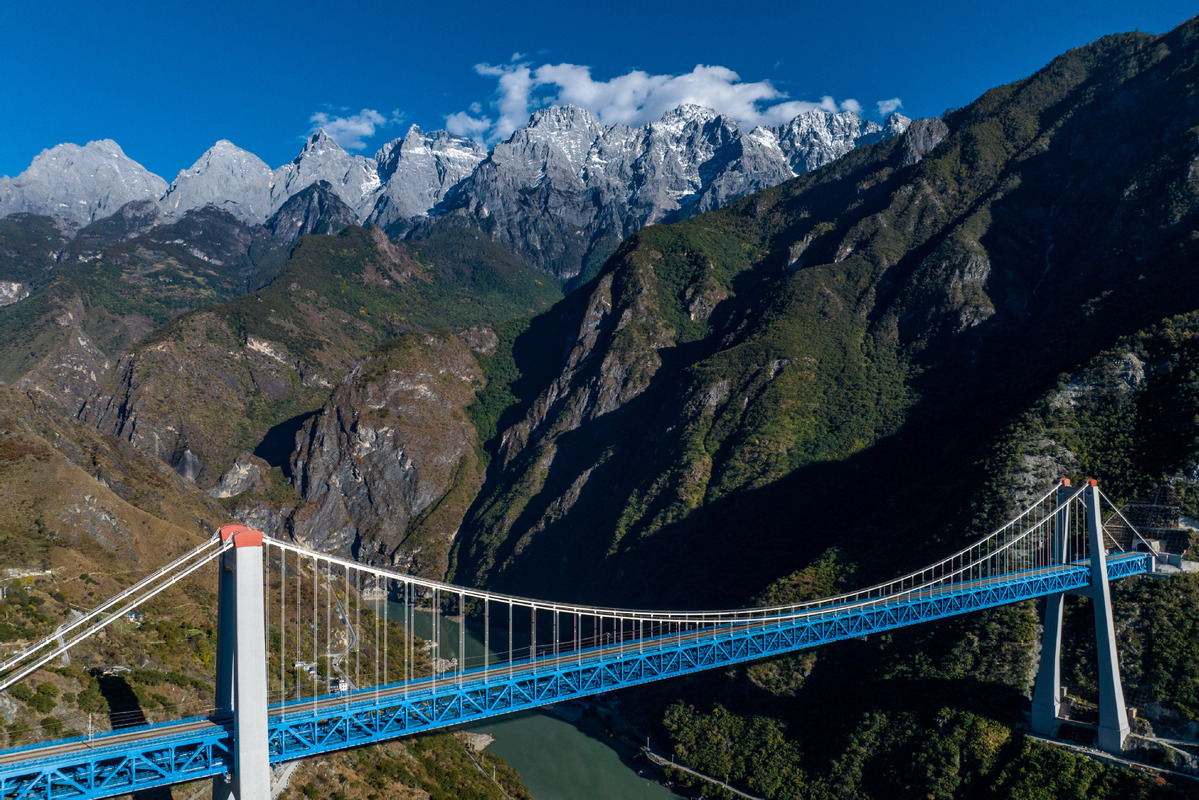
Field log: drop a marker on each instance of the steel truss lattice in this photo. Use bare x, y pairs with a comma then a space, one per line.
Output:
192, 749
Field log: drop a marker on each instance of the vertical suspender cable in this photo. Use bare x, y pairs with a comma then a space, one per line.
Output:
299, 630
377, 615
266, 612
316, 659
328, 620
358, 631
435, 620
283, 628
461, 636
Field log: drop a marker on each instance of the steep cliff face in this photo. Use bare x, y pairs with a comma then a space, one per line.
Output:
418, 172
315, 210
389, 464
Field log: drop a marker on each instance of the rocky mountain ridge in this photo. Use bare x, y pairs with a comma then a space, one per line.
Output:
609, 180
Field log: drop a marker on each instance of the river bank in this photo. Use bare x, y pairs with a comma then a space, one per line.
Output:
576, 751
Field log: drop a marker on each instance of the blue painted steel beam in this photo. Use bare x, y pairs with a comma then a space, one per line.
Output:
104, 769
366, 717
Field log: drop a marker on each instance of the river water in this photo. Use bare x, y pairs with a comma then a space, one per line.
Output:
559, 761
556, 759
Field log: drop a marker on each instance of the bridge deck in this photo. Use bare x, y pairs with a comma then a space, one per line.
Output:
144, 757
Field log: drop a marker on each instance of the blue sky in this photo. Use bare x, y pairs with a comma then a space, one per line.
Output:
166, 80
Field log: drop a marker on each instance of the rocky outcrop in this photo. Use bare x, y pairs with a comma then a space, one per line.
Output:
12, 292
919, 140
247, 473
389, 464
316, 209
418, 172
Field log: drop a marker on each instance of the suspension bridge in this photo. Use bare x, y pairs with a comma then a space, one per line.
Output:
316, 653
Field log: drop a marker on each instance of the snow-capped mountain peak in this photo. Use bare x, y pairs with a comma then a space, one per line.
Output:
554, 190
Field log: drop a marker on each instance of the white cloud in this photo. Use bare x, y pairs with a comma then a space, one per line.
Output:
463, 124
634, 98
352, 131
886, 107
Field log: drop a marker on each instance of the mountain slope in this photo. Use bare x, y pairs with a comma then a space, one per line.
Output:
213, 382
836, 379
876, 316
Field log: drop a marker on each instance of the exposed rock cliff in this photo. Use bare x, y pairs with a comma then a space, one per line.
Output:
79, 184
389, 464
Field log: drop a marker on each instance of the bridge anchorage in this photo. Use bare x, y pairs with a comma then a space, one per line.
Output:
317, 653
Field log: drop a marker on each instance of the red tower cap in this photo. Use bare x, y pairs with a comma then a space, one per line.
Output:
227, 531
247, 538
1092, 482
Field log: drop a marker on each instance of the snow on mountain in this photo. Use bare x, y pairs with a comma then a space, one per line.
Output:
419, 170
561, 190
355, 179
594, 184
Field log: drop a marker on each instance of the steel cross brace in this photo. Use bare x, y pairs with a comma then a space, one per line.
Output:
104, 771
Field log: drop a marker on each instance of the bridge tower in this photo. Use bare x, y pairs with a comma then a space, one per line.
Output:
1046, 698
241, 665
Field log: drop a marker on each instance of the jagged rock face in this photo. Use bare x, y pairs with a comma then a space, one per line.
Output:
247, 473
239, 182
392, 446
79, 184
316, 209
919, 139
815, 138
566, 188
419, 171
228, 177
354, 178
12, 292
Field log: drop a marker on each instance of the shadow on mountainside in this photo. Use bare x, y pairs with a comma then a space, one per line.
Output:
125, 710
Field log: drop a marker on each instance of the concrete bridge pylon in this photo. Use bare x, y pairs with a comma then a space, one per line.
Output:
1047, 691
241, 665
